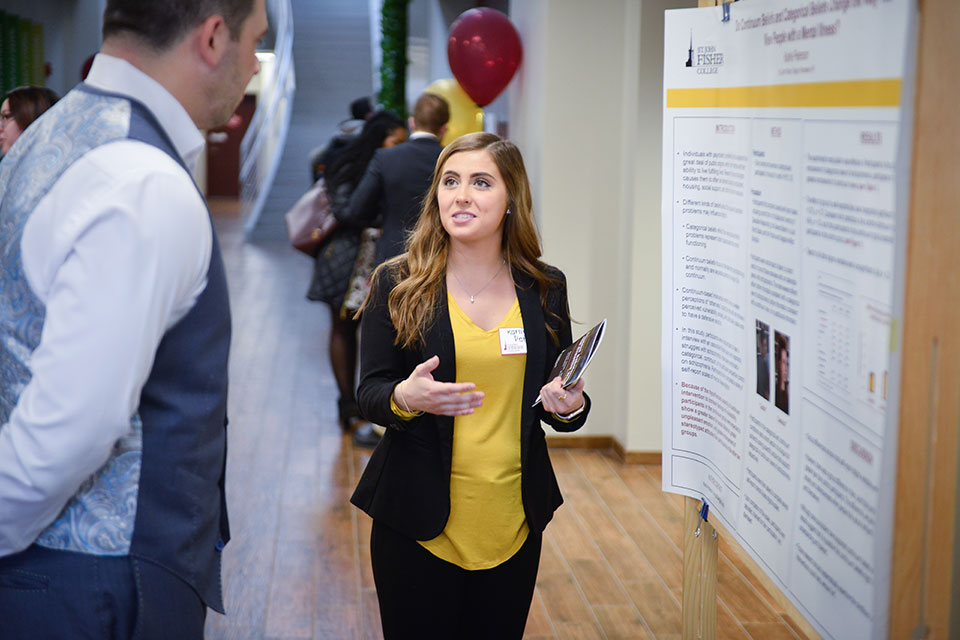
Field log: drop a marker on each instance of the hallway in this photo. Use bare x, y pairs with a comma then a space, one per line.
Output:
331, 58
298, 565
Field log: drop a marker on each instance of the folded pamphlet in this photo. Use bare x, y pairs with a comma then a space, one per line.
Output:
573, 361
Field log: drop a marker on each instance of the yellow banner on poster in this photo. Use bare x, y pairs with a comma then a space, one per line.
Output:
884, 92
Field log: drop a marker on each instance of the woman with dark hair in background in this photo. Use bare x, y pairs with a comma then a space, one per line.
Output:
361, 110
458, 338
337, 258
20, 107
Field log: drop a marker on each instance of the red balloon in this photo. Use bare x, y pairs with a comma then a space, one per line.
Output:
484, 52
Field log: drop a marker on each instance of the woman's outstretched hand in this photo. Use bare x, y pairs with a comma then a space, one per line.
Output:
420, 392
560, 401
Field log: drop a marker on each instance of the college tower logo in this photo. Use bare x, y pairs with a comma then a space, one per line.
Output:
706, 59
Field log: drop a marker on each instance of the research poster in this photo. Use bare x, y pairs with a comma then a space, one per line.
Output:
785, 184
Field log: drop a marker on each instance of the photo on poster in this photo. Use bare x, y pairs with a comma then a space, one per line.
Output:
781, 356
763, 360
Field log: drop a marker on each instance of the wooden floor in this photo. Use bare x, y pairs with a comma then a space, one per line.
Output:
298, 565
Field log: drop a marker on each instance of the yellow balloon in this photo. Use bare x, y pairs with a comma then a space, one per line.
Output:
465, 115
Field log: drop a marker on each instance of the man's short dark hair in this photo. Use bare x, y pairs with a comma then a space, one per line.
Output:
430, 113
361, 108
160, 23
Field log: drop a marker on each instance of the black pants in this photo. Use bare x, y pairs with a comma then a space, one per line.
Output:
424, 597
62, 595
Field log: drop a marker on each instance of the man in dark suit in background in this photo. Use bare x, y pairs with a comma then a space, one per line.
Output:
397, 178
391, 192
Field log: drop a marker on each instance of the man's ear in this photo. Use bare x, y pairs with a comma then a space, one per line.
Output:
442, 132
411, 125
212, 36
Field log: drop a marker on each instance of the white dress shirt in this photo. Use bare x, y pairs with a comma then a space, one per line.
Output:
118, 251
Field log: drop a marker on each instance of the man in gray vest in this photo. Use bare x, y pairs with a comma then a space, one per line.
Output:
114, 334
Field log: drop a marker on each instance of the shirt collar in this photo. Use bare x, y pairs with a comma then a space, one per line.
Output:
116, 75
421, 134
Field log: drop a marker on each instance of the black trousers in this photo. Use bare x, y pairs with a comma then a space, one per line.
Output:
62, 595
424, 597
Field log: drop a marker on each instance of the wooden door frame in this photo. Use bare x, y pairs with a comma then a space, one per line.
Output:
925, 508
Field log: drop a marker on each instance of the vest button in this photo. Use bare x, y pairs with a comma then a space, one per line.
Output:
220, 545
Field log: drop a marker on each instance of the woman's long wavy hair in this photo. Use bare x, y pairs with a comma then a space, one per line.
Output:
420, 273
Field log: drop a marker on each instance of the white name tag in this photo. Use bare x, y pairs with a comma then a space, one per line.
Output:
512, 342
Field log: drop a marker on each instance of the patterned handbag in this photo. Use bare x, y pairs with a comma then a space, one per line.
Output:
334, 264
363, 268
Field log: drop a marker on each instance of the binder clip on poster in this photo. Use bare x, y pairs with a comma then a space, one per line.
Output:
704, 512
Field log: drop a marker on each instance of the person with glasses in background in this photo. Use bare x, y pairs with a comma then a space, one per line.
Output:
20, 107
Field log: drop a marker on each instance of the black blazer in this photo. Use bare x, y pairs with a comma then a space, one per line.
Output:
393, 188
406, 484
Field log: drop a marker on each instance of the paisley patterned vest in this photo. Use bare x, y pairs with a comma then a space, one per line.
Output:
159, 497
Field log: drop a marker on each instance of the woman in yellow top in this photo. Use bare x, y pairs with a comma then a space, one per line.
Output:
458, 337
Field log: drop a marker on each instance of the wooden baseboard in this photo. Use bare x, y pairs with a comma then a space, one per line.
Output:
605, 442
580, 442
637, 457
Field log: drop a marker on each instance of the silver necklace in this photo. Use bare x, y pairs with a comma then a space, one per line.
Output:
474, 295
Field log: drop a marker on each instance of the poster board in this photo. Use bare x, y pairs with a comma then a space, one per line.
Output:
784, 218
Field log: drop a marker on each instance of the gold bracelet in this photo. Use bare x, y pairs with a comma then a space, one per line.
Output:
403, 401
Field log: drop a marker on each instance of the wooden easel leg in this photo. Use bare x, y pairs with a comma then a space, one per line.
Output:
699, 575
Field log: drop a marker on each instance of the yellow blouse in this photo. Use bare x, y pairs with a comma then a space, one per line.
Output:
487, 524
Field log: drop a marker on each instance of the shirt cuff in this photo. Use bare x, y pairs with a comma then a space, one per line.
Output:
573, 415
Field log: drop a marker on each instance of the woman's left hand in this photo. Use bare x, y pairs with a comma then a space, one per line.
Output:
560, 401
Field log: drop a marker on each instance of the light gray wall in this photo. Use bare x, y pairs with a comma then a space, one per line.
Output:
586, 112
